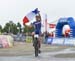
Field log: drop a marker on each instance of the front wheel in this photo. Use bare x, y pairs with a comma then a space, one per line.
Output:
36, 47
36, 51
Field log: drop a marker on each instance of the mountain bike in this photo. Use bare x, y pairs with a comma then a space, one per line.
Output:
36, 44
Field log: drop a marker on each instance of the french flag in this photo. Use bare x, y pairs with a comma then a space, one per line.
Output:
30, 16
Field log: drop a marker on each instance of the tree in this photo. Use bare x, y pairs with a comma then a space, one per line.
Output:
14, 29
10, 28
6, 28
0, 28
25, 29
19, 27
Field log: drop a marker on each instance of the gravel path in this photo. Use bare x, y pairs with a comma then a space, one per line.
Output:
26, 53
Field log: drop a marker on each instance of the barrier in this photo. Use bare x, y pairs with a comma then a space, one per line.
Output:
49, 40
6, 41
28, 39
69, 41
58, 41
62, 41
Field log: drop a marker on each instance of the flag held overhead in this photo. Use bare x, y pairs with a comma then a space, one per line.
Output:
29, 17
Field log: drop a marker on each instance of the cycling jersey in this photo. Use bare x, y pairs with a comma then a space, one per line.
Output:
37, 27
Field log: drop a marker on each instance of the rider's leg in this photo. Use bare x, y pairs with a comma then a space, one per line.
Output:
39, 43
33, 39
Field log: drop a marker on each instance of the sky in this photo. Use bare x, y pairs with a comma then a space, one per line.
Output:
15, 10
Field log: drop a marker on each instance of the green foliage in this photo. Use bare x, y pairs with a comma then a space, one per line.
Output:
14, 29
6, 28
19, 27
25, 29
11, 27
0, 28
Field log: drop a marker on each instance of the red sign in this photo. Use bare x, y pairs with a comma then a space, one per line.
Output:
52, 25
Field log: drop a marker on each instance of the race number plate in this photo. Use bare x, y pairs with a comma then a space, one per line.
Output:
36, 35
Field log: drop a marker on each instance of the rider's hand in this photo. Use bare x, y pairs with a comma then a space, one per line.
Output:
33, 33
30, 26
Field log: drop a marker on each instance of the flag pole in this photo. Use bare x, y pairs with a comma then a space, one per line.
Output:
45, 22
45, 29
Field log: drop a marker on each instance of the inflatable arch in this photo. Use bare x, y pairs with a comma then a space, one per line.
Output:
65, 21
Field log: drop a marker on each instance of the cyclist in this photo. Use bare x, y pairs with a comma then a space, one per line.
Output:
37, 29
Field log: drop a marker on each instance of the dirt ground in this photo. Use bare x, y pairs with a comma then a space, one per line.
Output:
22, 49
